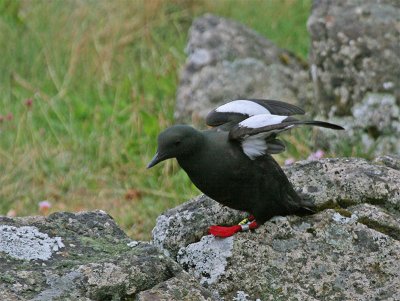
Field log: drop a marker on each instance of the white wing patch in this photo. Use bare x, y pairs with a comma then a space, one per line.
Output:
254, 146
243, 107
261, 120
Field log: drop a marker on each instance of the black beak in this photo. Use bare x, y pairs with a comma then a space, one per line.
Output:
156, 159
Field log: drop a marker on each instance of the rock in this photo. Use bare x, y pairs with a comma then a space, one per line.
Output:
83, 256
377, 219
217, 251
374, 127
355, 67
354, 50
323, 257
183, 287
355, 70
189, 222
392, 161
343, 182
226, 60
350, 250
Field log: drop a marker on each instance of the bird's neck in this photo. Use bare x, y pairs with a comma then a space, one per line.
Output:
190, 158
204, 163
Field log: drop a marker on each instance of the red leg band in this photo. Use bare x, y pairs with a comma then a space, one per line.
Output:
253, 225
221, 231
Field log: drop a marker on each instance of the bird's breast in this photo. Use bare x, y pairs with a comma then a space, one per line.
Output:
221, 173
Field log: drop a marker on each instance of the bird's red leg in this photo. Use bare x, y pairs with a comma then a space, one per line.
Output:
245, 225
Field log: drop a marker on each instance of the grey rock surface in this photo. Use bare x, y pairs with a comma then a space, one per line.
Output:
189, 222
183, 287
217, 251
342, 182
392, 161
373, 126
83, 256
355, 49
324, 257
227, 61
349, 250
354, 66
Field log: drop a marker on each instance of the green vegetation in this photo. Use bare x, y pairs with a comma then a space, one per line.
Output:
86, 86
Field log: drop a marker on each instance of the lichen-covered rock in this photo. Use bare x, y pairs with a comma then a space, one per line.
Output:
83, 256
392, 161
226, 61
355, 71
322, 257
350, 251
190, 221
216, 250
354, 50
342, 182
374, 126
378, 219
28, 243
183, 287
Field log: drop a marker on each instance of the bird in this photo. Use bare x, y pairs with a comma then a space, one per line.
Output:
231, 161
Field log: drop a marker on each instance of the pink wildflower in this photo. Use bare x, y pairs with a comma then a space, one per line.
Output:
11, 213
317, 155
289, 161
29, 102
10, 116
44, 206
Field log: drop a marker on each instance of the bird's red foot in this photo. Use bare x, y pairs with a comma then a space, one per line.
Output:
220, 231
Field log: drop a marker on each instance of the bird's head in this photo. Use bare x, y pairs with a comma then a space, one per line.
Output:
176, 141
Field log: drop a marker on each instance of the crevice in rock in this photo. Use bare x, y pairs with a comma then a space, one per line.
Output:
383, 204
340, 206
331, 204
345, 203
384, 229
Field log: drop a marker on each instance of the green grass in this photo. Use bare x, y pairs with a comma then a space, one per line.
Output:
103, 76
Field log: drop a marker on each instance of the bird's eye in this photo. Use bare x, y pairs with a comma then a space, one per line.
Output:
177, 142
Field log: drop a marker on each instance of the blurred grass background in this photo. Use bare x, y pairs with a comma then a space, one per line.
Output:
86, 86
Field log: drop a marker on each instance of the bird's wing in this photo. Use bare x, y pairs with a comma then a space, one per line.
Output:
230, 114
257, 133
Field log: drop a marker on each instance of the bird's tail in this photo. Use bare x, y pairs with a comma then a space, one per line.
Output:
322, 124
306, 207
299, 203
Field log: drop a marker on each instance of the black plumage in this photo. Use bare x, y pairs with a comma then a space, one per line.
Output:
231, 163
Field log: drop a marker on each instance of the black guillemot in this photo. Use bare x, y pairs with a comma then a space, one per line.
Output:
232, 163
